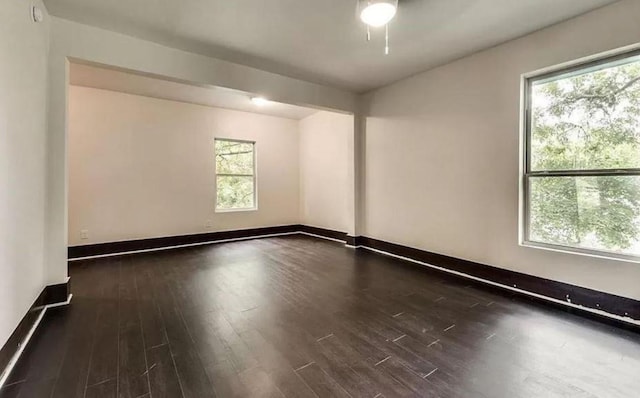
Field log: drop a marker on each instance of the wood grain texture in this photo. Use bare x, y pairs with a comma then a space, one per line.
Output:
583, 297
298, 316
589, 298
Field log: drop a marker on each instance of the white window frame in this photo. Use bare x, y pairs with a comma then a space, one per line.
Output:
593, 63
254, 176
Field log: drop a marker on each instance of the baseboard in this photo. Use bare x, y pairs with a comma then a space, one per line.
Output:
323, 233
51, 296
353, 241
122, 247
59, 293
616, 309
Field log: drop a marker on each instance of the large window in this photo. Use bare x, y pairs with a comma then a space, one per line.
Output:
582, 158
235, 175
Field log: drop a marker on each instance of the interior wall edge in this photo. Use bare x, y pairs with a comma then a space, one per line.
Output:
149, 58
24, 47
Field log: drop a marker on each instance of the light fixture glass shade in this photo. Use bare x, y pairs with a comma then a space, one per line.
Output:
259, 101
377, 13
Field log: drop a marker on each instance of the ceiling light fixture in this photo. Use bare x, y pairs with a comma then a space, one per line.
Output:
260, 101
377, 13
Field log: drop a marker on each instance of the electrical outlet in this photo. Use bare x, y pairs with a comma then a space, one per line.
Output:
208, 224
84, 234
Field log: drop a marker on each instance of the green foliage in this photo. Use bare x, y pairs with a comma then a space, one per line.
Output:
235, 179
582, 122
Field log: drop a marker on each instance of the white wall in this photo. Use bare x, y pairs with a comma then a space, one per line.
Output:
442, 148
23, 88
142, 167
324, 170
74, 40
452, 134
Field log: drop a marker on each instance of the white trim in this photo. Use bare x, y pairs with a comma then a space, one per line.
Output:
628, 320
238, 210
210, 242
254, 176
320, 236
522, 159
524, 238
581, 61
188, 234
62, 303
14, 359
581, 251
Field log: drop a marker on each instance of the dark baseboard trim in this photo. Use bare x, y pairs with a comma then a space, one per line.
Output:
54, 294
50, 295
355, 240
572, 298
19, 335
326, 233
586, 299
100, 249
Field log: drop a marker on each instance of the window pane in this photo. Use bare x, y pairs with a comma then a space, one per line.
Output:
234, 157
234, 192
601, 213
587, 121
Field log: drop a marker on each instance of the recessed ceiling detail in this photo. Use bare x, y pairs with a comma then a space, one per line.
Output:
218, 97
322, 41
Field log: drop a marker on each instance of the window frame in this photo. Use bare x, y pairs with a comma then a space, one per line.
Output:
254, 176
585, 65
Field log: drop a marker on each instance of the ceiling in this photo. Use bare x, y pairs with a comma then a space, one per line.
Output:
322, 40
127, 82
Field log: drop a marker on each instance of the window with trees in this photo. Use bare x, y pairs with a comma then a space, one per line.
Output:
235, 175
582, 158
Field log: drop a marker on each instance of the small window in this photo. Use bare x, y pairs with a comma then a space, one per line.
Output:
582, 158
235, 175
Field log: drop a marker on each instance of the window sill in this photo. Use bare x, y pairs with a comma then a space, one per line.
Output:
236, 210
581, 251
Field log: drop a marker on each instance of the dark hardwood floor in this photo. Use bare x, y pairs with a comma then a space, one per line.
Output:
303, 317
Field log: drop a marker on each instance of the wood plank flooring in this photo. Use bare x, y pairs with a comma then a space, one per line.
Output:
303, 317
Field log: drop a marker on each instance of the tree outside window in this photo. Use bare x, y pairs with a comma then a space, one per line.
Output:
235, 175
582, 173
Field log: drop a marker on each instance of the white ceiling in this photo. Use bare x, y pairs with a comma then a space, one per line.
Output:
321, 40
127, 82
